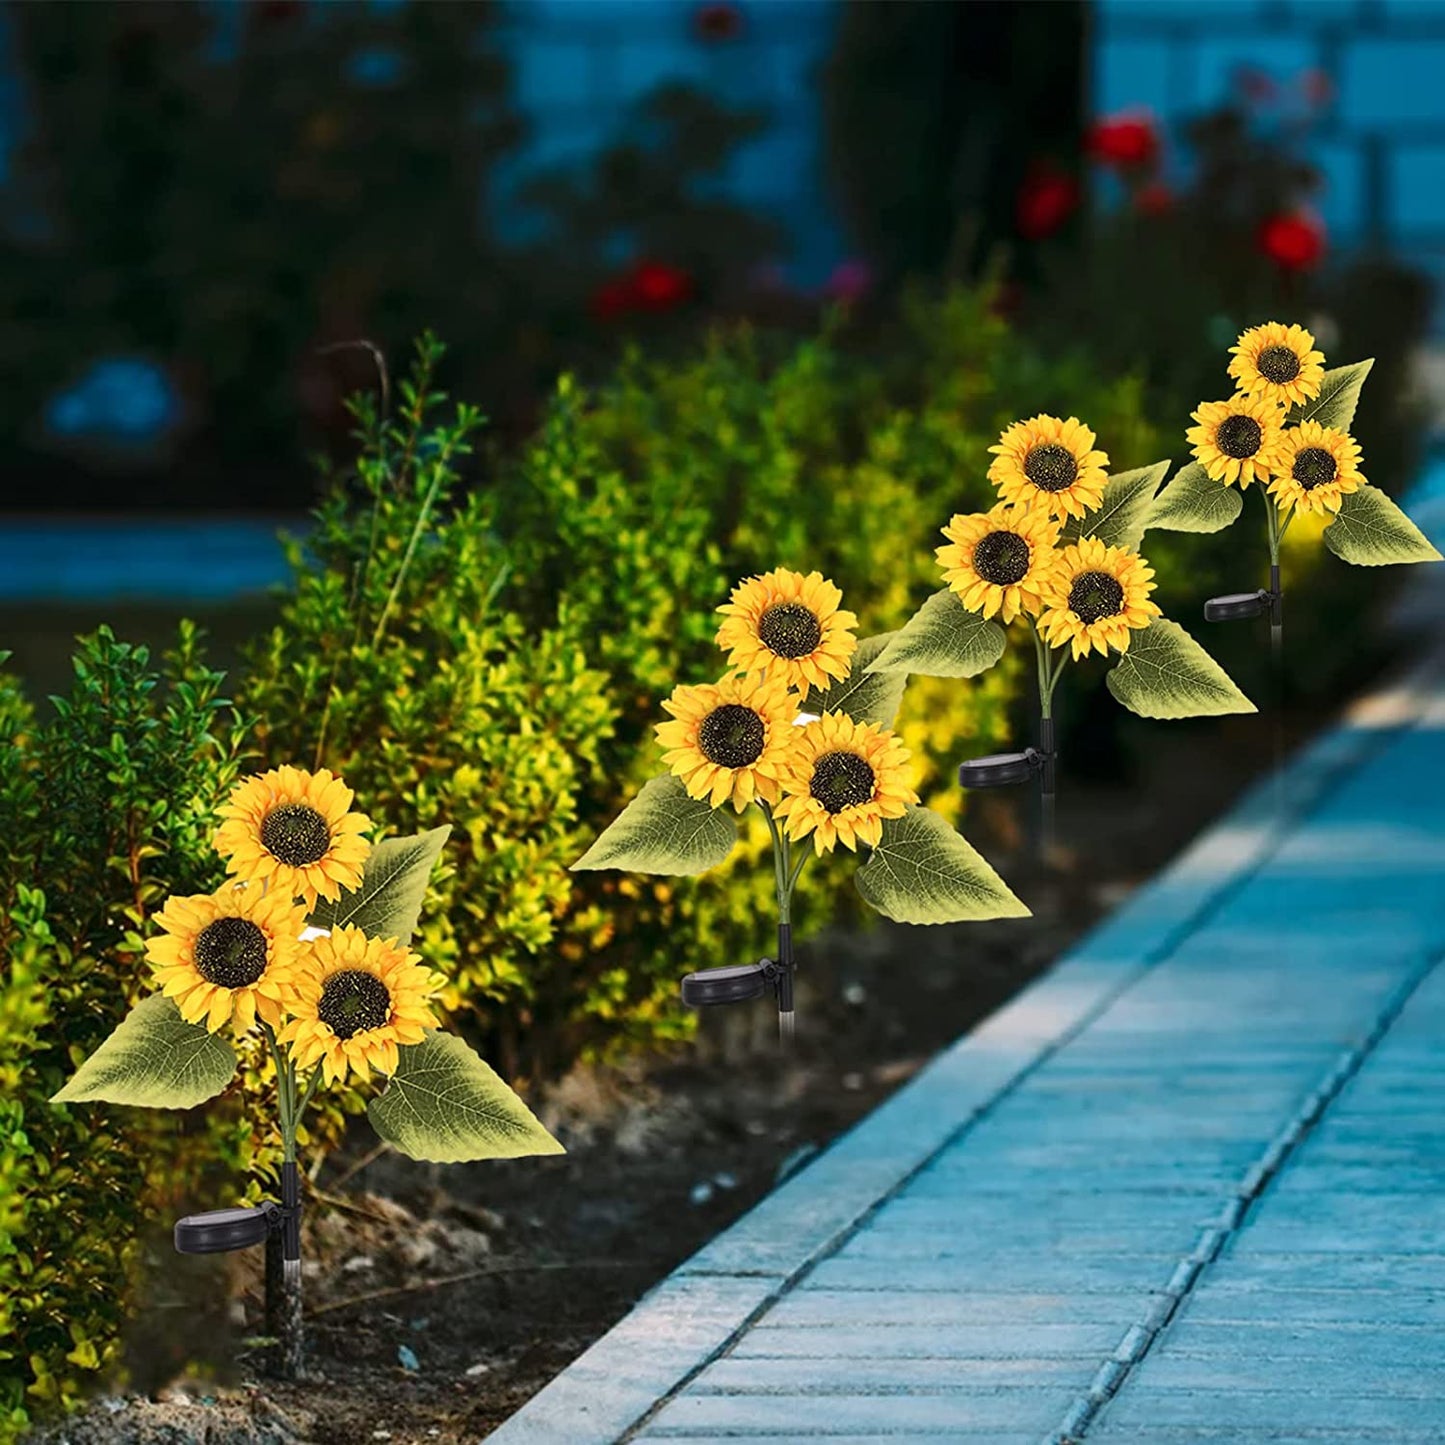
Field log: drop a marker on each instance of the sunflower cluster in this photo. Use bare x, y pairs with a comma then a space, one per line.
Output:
1305, 466
1008, 562
746, 739
341, 999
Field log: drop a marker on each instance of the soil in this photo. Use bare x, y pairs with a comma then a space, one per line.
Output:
440, 1300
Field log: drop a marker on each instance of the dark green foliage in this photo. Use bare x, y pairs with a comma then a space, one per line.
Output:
227, 189
397, 664
106, 807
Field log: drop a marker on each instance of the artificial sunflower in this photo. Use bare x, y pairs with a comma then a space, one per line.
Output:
1235, 439
1094, 595
356, 1000
1049, 464
844, 778
996, 561
730, 739
1314, 467
789, 625
229, 955
293, 829
1278, 363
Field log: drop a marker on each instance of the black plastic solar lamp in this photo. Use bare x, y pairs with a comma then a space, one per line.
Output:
1236, 606
739, 982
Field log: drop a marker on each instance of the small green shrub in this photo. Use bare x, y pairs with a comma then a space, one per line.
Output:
396, 663
105, 807
499, 658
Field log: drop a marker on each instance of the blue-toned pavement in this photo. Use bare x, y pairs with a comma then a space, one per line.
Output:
1190, 1186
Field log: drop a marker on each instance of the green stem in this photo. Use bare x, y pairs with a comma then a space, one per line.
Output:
439, 465
1289, 517
1048, 670
285, 1098
797, 873
780, 878
306, 1096
1271, 519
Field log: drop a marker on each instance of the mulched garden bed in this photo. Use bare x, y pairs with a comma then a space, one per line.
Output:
440, 1300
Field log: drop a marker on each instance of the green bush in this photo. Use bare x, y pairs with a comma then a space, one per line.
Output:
535, 625
396, 663
494, 658
106, 807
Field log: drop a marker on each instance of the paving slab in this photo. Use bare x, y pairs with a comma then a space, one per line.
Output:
1183, 1188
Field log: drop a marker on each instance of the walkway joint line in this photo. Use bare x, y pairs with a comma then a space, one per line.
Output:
1141, 1337
1285, 816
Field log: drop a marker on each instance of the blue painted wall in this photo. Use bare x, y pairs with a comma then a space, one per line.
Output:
581, 64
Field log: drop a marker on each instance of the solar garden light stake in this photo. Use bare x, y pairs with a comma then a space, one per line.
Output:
801, 734
1040, 763
1058, 554
1287, 429
332, 1000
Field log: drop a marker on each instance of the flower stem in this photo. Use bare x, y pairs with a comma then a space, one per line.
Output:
1271, 519
285, 1093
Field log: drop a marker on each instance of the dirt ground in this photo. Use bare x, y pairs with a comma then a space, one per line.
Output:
439, 1301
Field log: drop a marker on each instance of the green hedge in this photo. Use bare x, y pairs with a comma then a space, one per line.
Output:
105, 808
494, 657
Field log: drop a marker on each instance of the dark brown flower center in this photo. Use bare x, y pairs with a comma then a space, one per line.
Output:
296, 834
841, 780
1001, 558
731, 736
1095, 595
352, 1002
1278, 364
230, 952
1239, 436
1051, 467
1314, 467
788, 629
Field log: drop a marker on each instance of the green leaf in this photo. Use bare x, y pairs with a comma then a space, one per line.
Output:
1167, 674
155, 1060
393, 886
1120, 518
923, 871
1371, 531
865, 696
444, 1104
1339, 395
662, 830
1195, 502
943, 639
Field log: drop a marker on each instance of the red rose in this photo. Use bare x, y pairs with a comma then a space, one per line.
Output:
1294, 241
1125, 142
1047, 198
656, 286
717, 22
849, 281
648, 286
613, 299
1153, 199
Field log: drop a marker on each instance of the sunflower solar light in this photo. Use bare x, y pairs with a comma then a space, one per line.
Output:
1287, 427
1057, 558
307, 944
801, 731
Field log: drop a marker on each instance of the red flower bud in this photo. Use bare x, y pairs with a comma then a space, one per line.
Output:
1153, 198
1048, 197
1125, 142
1294, 241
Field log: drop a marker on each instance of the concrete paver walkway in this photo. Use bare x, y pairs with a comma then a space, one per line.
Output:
1189, 1186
